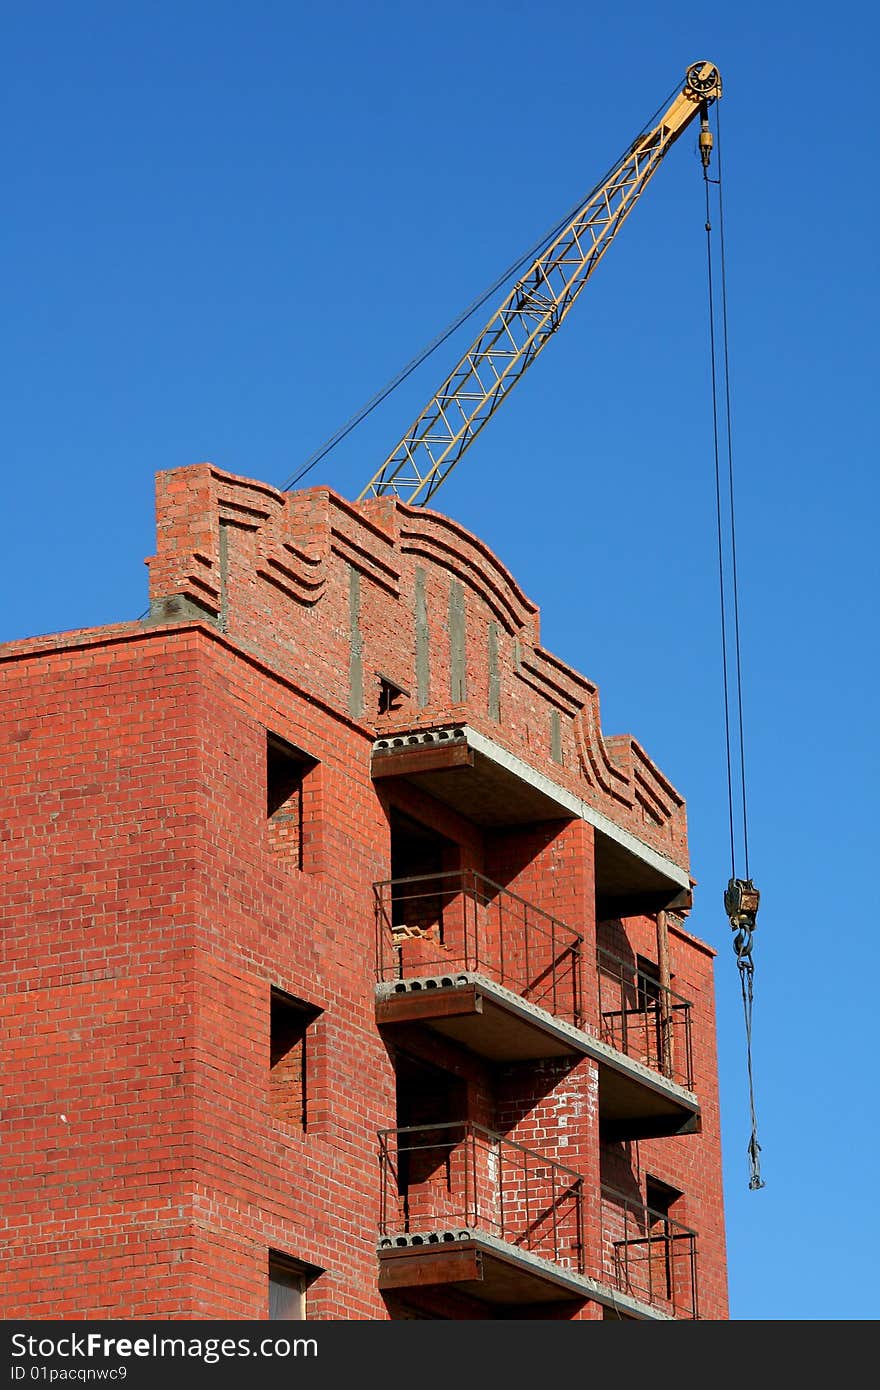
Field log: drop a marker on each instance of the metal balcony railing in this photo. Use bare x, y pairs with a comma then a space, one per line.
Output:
461, 920
644, 1019
441, 1178
440, 1181
649, 1256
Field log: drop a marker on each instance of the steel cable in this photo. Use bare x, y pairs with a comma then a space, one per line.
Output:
731, 508
527, 258
720, 535
743, 939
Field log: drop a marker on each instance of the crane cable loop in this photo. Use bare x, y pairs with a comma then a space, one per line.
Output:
741, 898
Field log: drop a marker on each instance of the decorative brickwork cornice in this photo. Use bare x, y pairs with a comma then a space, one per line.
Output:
343, 596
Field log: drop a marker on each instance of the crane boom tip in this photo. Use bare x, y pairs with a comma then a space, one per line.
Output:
704, 80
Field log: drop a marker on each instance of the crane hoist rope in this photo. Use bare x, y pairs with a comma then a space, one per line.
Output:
741, 897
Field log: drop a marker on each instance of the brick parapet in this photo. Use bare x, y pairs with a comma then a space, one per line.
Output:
334, 595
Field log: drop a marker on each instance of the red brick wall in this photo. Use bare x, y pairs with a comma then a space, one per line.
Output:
97, 1002
145, 920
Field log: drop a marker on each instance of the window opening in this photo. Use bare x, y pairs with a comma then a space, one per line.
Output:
427, 1094
391, 695
290, 1020
649, 1004
286, 770
647, 983
428, 1100
420, 860
288, 1281
659, 1200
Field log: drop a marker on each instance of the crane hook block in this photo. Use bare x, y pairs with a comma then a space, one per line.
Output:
741, 905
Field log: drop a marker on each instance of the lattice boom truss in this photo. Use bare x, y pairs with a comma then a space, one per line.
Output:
532, 312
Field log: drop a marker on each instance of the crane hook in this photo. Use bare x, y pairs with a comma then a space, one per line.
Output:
741, 901
741, 905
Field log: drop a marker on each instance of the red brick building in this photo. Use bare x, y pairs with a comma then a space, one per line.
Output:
346, 967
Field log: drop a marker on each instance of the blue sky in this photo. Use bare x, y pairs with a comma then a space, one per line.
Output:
226, 226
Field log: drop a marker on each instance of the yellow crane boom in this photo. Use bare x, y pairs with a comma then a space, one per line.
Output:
535, 307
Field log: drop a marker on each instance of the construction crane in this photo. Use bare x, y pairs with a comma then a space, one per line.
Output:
536, 306
508, 345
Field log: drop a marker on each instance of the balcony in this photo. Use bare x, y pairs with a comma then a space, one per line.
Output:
477, 963
466, 958
464, 1207
490, 786
649, 1257
461, 1205
650, 1024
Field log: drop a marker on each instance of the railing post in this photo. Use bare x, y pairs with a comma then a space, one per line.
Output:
577, 970
479, 923
665, 1000
528, 1204
624, 1018
695, 1308
646, 1227
467, 895
528, 977
500, 1191
383, 1188
579, 1224
625, 1275
404, 1184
